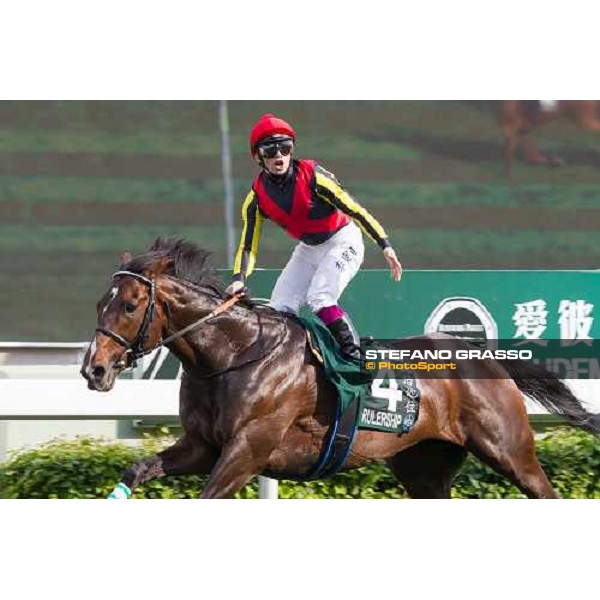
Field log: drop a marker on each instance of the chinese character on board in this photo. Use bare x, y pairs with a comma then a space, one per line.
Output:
530, 319
575, 321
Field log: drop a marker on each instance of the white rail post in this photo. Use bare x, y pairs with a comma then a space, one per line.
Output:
227, 180
268, 489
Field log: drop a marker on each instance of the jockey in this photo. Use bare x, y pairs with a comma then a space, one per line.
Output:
312, 207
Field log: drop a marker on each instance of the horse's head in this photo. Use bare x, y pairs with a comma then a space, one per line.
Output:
136, 309
131, 317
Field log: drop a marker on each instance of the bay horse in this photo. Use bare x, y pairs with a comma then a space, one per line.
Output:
520, 117
255, 400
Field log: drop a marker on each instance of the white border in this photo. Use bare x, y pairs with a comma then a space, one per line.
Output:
317, 50
298, 549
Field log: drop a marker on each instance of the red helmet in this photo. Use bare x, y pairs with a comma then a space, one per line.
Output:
267, 126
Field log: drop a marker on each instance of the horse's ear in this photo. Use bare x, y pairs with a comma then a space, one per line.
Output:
125, 258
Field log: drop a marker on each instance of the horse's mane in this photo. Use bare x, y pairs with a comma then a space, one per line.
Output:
187, 262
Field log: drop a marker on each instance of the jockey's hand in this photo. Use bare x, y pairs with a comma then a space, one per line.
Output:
393, 262
234, 288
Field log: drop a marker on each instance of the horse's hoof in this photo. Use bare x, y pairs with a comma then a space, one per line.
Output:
556, 161
548, 161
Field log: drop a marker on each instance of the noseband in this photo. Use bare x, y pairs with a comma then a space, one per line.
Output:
135, 349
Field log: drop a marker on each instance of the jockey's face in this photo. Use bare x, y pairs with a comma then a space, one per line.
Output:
276, 157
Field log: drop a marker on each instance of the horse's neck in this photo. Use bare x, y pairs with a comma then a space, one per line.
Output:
211, 348
214, 344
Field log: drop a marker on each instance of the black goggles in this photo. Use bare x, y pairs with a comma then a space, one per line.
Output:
270, 149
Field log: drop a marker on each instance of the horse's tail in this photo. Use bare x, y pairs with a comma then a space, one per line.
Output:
546, 389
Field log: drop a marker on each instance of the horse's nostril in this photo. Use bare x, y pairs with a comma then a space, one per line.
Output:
98, 372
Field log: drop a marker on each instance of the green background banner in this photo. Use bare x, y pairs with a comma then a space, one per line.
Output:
385, 309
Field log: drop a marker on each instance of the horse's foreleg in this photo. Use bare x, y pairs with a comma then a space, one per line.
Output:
234, 469
186, 457
535, 157
243, 457
518, 121
241, 460
510, 146
511, 123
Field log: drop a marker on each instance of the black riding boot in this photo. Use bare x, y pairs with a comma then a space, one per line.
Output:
345, 334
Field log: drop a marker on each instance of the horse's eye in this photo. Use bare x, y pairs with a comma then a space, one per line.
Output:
130, 308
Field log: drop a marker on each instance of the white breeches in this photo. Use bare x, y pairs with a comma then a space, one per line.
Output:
317, 275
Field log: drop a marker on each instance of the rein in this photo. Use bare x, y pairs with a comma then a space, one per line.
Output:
135, 350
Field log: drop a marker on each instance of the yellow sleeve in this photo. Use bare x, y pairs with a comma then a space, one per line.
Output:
245, 257
329, 189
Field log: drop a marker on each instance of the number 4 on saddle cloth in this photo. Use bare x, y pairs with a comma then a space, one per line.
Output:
366, 399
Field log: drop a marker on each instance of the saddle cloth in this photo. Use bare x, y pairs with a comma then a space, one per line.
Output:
386, 401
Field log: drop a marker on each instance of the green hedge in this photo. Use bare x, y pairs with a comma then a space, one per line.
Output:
89, 468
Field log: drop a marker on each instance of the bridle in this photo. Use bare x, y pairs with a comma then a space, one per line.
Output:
135, 350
